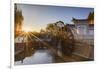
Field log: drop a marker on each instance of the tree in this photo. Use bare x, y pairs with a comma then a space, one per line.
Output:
50, 27
18, 18
91, 18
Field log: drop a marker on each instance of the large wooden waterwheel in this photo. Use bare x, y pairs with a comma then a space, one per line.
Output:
62, 37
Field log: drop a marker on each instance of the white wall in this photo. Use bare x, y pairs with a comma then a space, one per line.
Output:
82, 29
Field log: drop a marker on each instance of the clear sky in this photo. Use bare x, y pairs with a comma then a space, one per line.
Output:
38, 16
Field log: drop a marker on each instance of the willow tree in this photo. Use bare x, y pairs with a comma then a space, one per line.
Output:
50, 27
18, 19
55, 28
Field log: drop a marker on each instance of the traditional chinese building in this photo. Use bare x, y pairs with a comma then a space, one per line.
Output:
83, 31
85, 27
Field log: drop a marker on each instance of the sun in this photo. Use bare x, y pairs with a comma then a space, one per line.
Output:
25, 29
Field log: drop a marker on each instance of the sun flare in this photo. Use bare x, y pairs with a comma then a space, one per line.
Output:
27, 29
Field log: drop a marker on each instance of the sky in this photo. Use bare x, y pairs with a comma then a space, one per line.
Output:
37, 17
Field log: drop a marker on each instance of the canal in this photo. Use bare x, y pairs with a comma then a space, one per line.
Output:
39, 56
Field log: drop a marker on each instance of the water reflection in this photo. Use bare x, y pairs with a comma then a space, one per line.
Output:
39, 56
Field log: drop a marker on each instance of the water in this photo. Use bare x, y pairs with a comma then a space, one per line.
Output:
41, 56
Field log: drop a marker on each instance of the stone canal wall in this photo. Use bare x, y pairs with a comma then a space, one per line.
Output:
84, 49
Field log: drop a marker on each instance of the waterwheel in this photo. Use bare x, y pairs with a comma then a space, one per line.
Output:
67, 41
62, 38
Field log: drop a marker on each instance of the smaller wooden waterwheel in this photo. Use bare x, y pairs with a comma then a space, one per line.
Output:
67, 41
